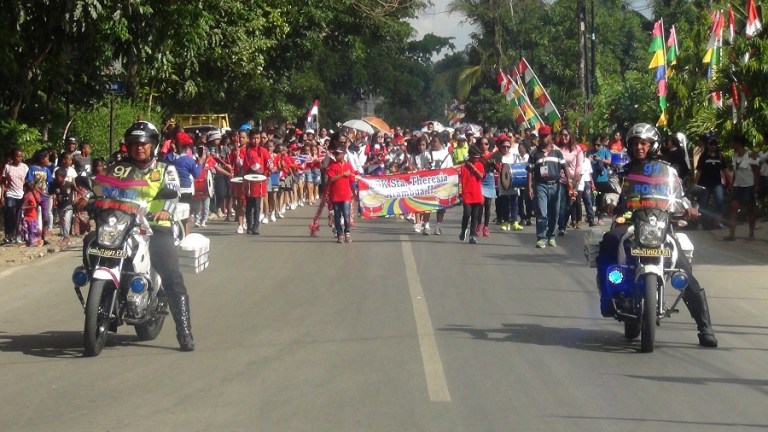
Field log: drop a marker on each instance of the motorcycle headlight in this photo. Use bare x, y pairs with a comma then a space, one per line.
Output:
113, 230
651, 234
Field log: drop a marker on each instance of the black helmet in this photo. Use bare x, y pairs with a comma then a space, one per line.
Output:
644, 131
142, 132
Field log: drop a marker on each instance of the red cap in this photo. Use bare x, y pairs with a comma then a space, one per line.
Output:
183, 138
544, 131
502, 137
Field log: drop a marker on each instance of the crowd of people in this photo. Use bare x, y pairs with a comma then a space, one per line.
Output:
253, 176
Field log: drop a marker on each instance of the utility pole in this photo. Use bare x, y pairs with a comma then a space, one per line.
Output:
581, 12
594, 50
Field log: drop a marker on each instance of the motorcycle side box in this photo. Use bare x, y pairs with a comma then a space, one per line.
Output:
194, 253
592, 239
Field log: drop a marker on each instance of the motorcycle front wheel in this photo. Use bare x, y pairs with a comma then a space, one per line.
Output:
648, 325
97, 312
150, 330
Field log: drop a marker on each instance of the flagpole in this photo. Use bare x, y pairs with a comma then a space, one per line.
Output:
524, 93
528, 67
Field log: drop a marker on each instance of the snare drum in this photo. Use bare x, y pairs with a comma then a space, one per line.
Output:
254, 185
237, 187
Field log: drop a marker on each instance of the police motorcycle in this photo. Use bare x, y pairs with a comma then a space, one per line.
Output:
123, 287
647, 251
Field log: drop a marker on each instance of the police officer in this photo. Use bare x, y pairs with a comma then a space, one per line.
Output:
142, 140
643, 142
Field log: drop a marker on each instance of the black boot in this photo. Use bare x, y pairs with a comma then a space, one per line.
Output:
179, 304
696, 301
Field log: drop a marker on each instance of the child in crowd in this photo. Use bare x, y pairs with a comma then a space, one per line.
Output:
63, 193
471, 177
340, 174
66, 163
29, 228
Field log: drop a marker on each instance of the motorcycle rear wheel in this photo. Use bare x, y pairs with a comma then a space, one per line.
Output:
97, 317
150, 330
648, 324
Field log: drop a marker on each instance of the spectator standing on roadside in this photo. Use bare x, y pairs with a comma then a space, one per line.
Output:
711, 169
574, 157
616, 145
544, 167
471, 177
28, 226
83, 160
600, 159
41, 177
745, 186
63, 193
14, 174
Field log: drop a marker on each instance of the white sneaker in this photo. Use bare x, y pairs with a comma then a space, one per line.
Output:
438, 230
202, 224
417, 228
301, 203
281, 215
240, 229
273, 217
265, 221
197, 224
294, 206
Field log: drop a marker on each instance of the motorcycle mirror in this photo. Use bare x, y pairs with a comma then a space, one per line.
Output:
167, 194
84, 182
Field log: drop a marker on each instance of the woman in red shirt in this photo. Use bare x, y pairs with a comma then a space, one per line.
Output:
340, 174
471, 178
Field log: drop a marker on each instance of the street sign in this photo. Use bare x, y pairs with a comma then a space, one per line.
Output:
117, 87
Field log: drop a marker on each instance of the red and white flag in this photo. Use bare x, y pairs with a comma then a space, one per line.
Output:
312, 115
731, 25
753, 19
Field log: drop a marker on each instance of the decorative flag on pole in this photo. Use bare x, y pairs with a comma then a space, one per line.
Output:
529, 112
713, 55
659, 61
540, 94
731, 25
753, 19
672, 50
312, 116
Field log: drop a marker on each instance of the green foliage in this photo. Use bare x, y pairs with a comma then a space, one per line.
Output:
489, 108
18, 135
92, 125
622, 102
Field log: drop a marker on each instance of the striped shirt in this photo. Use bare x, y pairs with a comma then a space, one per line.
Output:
544, 166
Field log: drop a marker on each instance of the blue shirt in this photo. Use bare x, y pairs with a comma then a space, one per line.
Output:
41, 176
602, 154
187, 167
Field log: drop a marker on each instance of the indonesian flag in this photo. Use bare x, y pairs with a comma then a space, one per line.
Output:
753, 19
731, 25
312, 115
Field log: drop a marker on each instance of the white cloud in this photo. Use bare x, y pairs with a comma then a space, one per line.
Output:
438, 21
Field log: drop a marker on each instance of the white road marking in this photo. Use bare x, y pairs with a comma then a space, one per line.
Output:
430, 356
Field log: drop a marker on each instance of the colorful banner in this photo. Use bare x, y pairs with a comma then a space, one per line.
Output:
424, 191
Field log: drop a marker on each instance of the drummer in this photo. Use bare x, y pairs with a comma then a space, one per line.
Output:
255, 160
507, 203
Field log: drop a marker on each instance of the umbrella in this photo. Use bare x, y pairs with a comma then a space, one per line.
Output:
358, 125
378, 123
469, 127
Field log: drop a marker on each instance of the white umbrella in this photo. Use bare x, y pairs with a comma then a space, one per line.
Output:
358, 125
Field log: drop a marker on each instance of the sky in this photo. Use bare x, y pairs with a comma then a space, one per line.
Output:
437, 20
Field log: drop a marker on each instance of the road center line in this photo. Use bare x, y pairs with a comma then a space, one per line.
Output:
430, 356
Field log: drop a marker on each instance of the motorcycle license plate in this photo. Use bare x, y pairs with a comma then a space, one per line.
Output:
650, 252
108, 253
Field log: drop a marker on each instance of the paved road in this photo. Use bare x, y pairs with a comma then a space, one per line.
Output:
394, 332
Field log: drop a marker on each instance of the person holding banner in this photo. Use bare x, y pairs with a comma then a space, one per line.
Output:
438, 158
471, 177
544, 167
340, 174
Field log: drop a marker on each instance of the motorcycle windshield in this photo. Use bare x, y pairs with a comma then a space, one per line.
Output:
118, 188
653, 185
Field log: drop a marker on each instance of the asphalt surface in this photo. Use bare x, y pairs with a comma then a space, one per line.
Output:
393, 332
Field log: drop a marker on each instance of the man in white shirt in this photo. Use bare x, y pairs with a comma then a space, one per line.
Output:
439, 158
